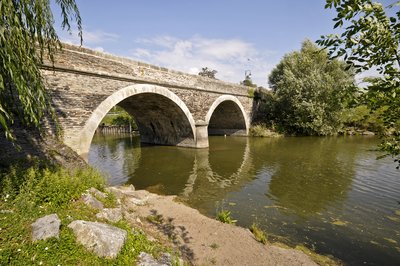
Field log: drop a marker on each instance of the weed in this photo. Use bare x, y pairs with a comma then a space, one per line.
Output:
225, 217
258, 233
214, 246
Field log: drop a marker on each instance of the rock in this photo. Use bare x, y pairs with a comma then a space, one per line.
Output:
139, 197
368, 133
145, 259
136, 201
91, 201
121, 191
113, 215
103, 239
97, 193
46, 227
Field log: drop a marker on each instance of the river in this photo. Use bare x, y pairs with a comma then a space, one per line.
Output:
327, 193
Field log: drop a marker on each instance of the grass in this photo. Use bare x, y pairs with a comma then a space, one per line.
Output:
262, 130
225, 217
259, 234
27, 194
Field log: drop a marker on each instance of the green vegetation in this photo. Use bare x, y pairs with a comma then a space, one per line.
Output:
370, 40
28, 194
309, 92
258, 233
225, 217
207, 72
26, 35
324, 260
118, 117
261, 130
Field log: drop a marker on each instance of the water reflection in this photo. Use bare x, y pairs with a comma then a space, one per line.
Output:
328, 193
311, 174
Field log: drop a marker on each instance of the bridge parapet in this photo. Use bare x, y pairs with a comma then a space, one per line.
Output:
170, 107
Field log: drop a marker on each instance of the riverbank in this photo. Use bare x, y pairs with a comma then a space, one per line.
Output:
202, 240
152, 227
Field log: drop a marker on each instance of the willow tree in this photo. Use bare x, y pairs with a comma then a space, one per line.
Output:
310, 91
27, 34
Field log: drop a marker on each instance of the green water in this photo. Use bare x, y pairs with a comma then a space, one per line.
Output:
330, 194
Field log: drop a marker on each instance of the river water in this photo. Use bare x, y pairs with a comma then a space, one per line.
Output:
329, 194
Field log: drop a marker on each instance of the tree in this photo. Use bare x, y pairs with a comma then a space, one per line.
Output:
26, 36
371, 41
207, 72
310, 91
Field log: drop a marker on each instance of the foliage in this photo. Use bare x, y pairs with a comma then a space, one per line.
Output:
119, 117
48, 186
28, 194
258, 233
225, 217
261, 130
207, 72
310, 91
248, 82
370, 40
362, 117
26, 35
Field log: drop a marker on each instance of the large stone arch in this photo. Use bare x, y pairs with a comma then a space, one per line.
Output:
227, 116
125, 97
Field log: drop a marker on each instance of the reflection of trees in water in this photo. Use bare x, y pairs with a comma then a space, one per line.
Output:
310, 173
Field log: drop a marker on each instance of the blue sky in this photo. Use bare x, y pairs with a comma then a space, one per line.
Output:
230, 36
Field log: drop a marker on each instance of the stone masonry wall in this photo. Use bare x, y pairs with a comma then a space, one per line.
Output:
81, 79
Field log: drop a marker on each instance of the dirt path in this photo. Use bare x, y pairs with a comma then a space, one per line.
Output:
205, 241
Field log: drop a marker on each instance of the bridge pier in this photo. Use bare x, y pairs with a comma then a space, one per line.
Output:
201, 134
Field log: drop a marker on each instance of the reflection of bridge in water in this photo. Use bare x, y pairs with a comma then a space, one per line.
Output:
193, 174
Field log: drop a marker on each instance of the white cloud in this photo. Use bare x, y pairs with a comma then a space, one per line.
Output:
92, 39
230, 57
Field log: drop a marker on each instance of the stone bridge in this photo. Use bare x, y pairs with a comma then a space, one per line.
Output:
169, 107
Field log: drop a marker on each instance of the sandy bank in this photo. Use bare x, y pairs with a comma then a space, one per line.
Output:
202, 240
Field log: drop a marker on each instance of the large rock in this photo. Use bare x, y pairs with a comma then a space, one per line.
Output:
103, 239
113, 215
91, 201
46, 227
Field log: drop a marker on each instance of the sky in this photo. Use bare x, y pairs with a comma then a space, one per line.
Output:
230, 36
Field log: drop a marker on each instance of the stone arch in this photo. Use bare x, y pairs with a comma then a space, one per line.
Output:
150, 94
227, 116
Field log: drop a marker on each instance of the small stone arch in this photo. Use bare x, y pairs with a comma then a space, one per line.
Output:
84, 139
227, 116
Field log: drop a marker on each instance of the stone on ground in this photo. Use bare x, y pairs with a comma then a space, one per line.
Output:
46, 227
112, 215
91, 201
121, 191
103, 239
97, 193
145, 259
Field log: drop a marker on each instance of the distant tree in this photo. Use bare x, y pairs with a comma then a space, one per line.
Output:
370, 40
310, 91
26, 35
248, 82
207, 72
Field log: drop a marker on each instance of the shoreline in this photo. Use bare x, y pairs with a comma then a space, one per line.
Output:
202, 240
